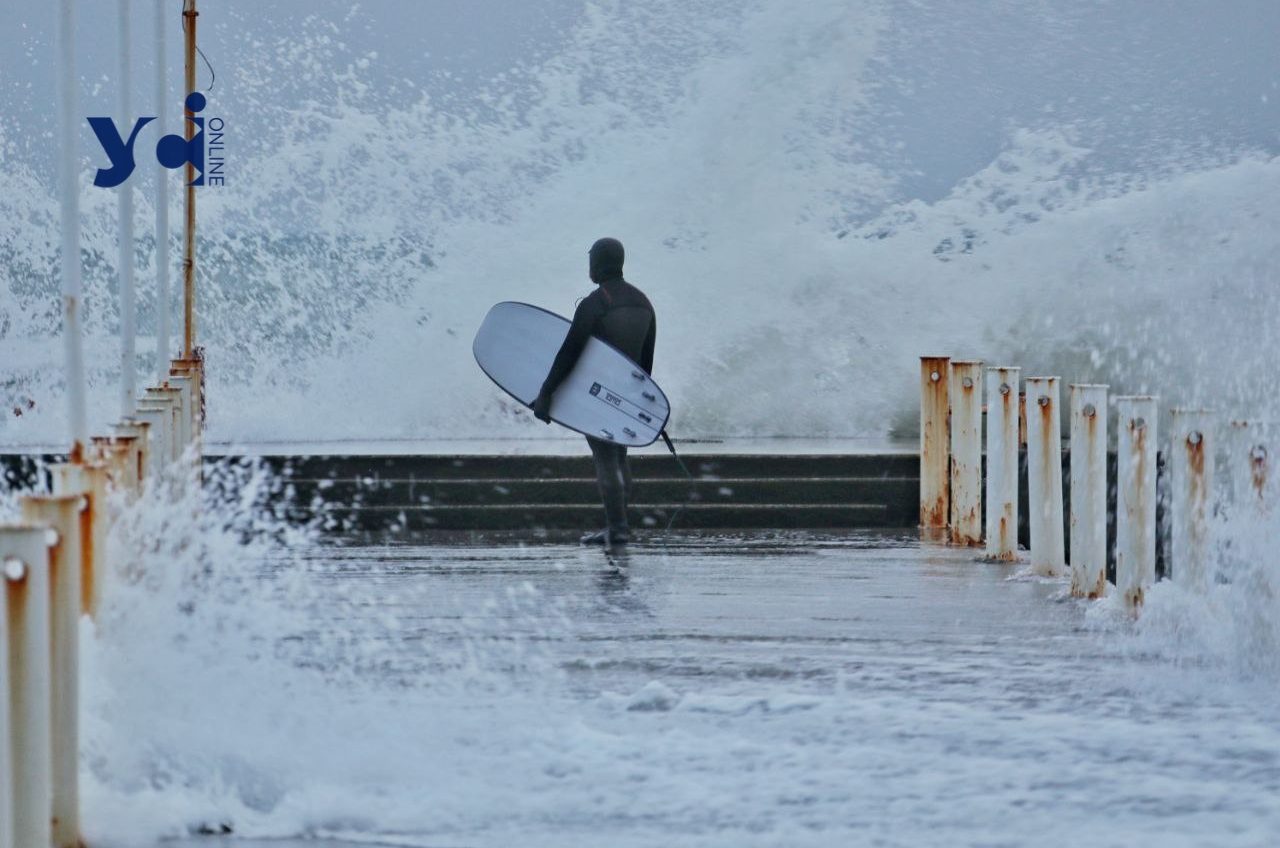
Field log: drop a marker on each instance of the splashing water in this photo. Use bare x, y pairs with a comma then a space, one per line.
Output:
242, 677
813, 195
1233, 629
763, 164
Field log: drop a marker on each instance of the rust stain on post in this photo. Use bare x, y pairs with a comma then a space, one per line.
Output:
1022, 419
1007, 544
1258, 470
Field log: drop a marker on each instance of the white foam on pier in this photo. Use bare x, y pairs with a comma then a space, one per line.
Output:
735, 691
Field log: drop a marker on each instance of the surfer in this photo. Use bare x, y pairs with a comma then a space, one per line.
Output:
620, 314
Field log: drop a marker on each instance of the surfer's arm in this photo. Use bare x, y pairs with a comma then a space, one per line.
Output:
584, 322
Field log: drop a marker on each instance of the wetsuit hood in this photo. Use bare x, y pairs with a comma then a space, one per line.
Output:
606, 260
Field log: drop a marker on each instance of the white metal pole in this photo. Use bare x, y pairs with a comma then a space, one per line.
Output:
1192, 462
1088, 490
62, 514
1044, 477
24, 557
124, 203
1002, 463
935, 445
140, 430
159, 419
162, 202
189, 423
181, 428
189, 15
1135, 497
966, 453
69, 191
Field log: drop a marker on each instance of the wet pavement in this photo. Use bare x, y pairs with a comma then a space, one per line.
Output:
769, 689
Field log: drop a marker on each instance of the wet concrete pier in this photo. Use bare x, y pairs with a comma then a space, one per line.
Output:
746, 690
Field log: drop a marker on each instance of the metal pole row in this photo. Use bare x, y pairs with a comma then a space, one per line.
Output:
952, 490
53, 563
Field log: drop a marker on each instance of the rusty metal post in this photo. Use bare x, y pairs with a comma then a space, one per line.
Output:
181, 430
62, 513
6, 724
1192, 464
1088, 490
119, 454
158, 448
1044, 477
1249, 450
1002, 463
189, 15
165, 407
185, 385
193, 368
140, 431
1135, 497
24, 561
965, 392
935, 446
92, 481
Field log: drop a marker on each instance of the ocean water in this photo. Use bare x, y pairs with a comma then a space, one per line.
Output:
813, 195
766, 690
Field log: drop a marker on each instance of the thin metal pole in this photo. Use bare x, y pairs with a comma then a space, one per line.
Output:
935, 446
24, 566
1088, 490
61, 513
162, 203
1044, 477
124, 205
69, 189
1002, 463
189, 15
1192, 463
6, 725
1135, 498
966, 453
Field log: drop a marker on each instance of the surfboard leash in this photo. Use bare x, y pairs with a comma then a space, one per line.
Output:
671, 447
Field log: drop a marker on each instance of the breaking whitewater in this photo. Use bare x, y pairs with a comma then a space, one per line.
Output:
813, 195
802, 192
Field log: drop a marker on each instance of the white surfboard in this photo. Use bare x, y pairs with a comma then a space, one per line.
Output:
606, 395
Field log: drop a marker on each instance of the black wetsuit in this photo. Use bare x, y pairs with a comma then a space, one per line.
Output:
620, 314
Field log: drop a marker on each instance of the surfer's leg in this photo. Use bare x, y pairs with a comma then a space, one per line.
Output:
611, 475
626, 475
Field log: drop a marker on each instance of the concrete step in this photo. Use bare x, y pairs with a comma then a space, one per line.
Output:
372, 492
644, 465
538, 517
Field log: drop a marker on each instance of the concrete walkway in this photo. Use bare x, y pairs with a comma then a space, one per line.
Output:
761, 690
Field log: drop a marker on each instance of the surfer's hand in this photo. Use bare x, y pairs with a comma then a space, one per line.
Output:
542, 407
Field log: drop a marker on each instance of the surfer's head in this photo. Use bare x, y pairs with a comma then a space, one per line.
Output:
606, 260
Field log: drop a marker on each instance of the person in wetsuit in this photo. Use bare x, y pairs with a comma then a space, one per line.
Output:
620, 314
